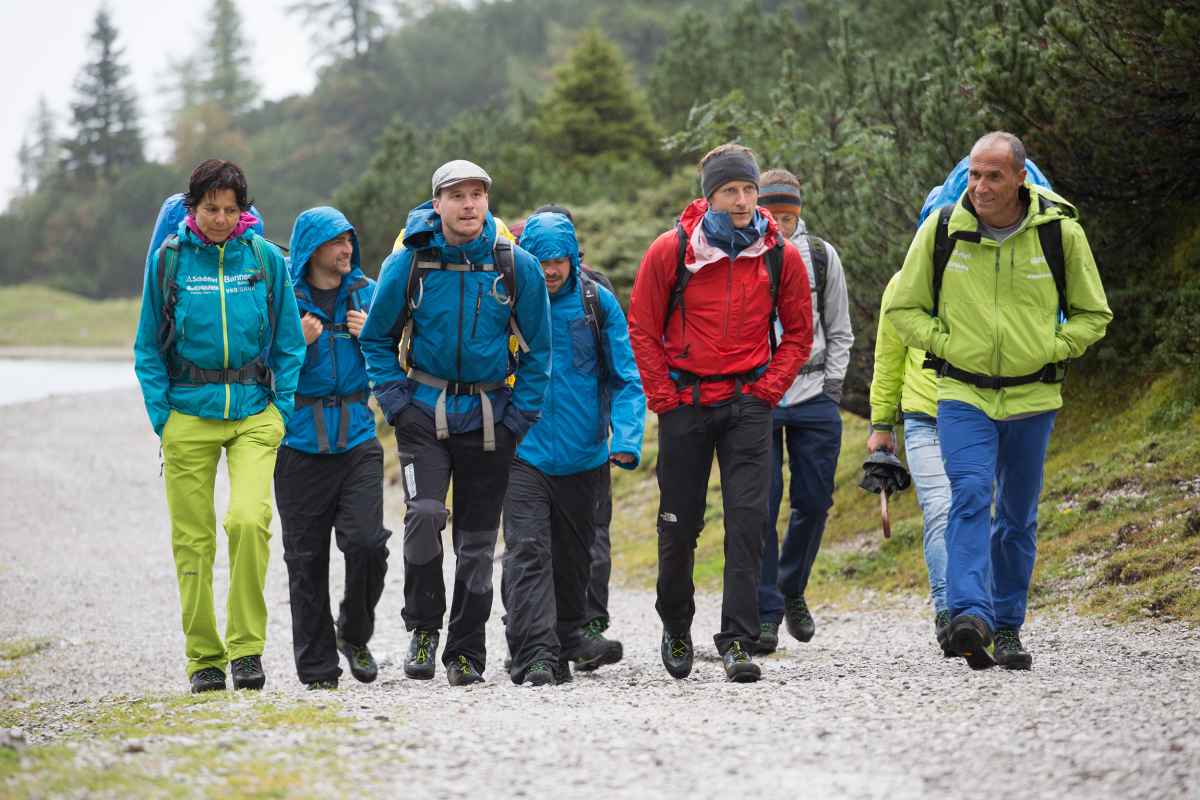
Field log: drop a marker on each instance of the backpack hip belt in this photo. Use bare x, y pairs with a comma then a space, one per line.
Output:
1051, 373
460, 388
185, 373
809, 369
683, 379
341, 402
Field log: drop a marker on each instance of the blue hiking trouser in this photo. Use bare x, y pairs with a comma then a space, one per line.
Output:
924, 453
812, 431
990, 559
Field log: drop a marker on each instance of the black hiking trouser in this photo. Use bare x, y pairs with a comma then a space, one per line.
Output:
597, 592
316, 493
739, 432
549, 524
480, 480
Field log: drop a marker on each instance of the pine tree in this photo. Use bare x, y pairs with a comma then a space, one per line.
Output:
594, 109
229, 83
108, 135
355, 24
38, 156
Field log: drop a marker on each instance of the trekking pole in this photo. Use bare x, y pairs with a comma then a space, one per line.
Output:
883, 510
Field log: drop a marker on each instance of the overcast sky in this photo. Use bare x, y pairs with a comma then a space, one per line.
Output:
45, 44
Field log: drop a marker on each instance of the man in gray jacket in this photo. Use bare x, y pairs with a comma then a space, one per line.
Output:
807, 420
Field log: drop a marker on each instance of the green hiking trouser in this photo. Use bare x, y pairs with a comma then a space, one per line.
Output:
191, 451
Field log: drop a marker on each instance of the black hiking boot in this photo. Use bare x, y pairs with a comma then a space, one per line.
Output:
422, 649
677, 653
209, 679
588, 654
362, 663
739, 667
562, 673
768, 638
327, 684
611, 651
540, 674
971, 639
461, 672
941, 629
800, 622
248, 672
1009, 653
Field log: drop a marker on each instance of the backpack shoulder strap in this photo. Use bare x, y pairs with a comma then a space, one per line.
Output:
682, 276
943, 246
168, 290
594, 313
506, 264
820, 259
265, 262
774, 260
1050, 235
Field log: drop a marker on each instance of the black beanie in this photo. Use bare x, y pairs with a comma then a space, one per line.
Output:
732, 165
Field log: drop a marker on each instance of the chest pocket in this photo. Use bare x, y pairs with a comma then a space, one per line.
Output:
583, 346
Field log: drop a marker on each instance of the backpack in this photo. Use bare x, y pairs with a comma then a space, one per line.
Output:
593, 312
168, 266
504, 264
774, 259
820, 259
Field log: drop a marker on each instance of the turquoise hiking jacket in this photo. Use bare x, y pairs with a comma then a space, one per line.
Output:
333, 364
221, 322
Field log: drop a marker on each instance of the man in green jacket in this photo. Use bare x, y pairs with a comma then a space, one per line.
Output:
995, 327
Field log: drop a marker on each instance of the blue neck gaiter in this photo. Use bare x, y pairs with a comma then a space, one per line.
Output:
719, 230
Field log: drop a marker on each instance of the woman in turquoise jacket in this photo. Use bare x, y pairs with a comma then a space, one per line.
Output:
218, 353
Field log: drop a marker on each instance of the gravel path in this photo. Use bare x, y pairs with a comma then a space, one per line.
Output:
869, 709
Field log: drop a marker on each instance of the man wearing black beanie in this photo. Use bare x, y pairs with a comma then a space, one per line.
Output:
700, 320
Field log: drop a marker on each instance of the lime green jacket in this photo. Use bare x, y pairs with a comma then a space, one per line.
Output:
898, 383
998, 309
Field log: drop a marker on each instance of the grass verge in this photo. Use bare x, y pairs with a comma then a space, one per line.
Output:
37, 316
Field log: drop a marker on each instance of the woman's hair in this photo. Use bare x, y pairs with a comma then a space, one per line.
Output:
214, 175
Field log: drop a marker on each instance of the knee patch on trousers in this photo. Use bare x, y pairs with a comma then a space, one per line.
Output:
475, 556
423, 525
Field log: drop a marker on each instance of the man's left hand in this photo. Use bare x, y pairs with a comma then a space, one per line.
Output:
622, 458
355, 321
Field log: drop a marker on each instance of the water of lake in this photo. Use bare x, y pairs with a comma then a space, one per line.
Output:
23, 380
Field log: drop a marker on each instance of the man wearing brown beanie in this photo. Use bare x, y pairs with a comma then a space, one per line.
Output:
700, 320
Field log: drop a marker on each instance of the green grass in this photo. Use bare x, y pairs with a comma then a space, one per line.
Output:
1119, 519
37, 316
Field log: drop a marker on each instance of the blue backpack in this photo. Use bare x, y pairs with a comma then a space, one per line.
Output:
955, 184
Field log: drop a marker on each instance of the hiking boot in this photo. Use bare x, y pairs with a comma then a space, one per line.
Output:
588, 654
971, 639
562, 673
739, 667
362, 663
768, 638
800, 623
248, 672
941, 629
540, 674
422, 649
328, 683
1008, 651
209, 679
611, 651
461, 672
677, 653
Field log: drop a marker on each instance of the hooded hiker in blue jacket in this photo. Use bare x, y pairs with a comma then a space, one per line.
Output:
450, 299
559, 472
217, 354
330, 469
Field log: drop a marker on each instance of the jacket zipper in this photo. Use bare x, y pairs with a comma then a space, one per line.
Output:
728, 297
224, 318
478, 303
462, 300
996, 312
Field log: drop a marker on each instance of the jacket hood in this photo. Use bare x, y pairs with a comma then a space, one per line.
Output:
548, 236
423, 230
1054, 207
800, 232
313, 228
700, 252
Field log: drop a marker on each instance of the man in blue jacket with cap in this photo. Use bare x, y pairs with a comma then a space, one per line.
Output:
560, 470
329, 473
436, 345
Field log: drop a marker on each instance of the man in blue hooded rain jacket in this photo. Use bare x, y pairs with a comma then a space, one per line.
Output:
446, 394
329, 473
558, 475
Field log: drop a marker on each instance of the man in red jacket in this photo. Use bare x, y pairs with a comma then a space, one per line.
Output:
699, 321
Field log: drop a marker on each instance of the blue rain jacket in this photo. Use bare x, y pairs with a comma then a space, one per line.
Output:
333, 364
173, 212
956, 183
460, 330
221, 322
573, 434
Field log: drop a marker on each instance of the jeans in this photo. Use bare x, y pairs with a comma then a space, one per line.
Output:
924, 455
990, 558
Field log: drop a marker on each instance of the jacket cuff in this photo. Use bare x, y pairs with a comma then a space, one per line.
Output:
881, 427
393, 397
518, 421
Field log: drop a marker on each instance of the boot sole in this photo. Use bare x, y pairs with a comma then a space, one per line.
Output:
1017, 663
419, 674
678, 674
744, 675
968, 643
252, 684
804, 638
611, 656
208, 688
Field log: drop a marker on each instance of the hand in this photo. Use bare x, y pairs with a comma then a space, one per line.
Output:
355, 321
621, 458
312, 328
881, 440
